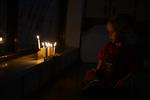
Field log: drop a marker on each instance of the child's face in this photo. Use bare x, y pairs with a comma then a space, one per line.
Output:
111, 32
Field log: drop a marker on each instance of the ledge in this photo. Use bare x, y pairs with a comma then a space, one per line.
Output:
19, 53
24, 75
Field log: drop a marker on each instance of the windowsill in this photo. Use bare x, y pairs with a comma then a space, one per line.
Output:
14, 68
17, 54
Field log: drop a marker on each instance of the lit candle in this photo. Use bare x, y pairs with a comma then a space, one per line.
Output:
43, 49
55, 47
38, 38
51, 48
41, 53
43, 45
46, 49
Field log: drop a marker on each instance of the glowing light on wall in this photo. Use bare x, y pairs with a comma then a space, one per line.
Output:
1, 40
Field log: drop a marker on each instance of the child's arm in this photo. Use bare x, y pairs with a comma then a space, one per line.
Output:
99, 65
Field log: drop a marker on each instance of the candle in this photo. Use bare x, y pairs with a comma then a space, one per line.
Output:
42, 50
46, 49
41, 53
51, 50
43, 45
38, 38
55, 47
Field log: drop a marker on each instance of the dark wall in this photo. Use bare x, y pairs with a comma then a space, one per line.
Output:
96, 14
22, 20
12, 25
37, 17
3, 22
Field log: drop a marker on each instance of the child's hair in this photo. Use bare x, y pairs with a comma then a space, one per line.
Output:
121, 23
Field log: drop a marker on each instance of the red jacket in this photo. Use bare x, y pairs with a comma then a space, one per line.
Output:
118, 61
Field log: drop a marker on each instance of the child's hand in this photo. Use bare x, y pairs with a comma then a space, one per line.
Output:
119, 84
90, 75
93, 69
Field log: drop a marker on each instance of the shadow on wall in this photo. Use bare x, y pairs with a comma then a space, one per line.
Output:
91, 42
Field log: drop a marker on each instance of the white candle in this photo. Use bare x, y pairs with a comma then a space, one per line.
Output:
43, 50
38, 38
51, 49
46, 44
43, 45
55, 47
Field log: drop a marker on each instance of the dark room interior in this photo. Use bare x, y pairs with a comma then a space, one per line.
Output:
61, 49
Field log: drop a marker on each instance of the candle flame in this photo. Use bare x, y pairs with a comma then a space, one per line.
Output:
46, 43
55, 44
43, 44
38, 36
51, 45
